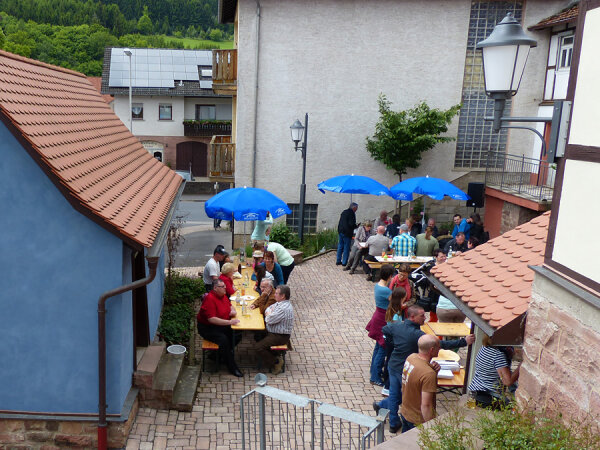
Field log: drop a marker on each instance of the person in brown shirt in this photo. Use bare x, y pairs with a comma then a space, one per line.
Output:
267, 296
419, 384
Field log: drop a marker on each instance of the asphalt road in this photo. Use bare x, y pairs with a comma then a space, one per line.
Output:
200, 239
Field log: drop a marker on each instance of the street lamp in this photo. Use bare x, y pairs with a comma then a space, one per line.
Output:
504, 54
128, 53
297, 130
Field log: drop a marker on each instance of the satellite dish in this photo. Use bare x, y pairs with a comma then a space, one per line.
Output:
260, 379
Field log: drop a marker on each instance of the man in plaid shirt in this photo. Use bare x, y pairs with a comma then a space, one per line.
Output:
404, 244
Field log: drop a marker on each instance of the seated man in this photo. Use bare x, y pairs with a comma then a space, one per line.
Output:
431, 223
279, 320
419, 384
267, 296
377, 245
215, 318
458, 245
404, 243
393, 228
461, 226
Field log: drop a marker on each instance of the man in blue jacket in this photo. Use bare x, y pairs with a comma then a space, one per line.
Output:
346, 227
404, 337
461, 226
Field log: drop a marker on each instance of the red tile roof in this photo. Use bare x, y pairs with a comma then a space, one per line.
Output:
493, 279
89, 154
565, 16
97, 83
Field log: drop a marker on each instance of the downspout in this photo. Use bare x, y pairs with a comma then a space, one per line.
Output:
256, 60
152, 256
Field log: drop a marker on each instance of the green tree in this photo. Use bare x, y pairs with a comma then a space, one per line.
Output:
216, 35
402, 136
144, 25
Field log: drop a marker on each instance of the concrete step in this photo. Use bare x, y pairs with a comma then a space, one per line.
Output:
185, 390
160, 394
143, 377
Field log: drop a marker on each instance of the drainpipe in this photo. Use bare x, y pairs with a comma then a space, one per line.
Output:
153, 255
256, 60
152, 264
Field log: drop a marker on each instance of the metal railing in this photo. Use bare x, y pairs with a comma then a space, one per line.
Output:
521, 176
273, 418
205, 129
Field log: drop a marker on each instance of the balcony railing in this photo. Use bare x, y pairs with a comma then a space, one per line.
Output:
528, 178
224, 70
205, 129
222, 158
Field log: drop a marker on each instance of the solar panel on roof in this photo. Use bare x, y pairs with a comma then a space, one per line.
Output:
168, 83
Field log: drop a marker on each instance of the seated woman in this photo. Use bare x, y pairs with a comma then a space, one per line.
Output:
357, 251
273, 267
215, 318
226, 276
492, 375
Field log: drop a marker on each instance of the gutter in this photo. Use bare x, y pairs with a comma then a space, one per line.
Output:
256, 64
152, 256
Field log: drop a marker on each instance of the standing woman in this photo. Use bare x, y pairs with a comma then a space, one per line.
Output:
402, 280
260, 229
382, 295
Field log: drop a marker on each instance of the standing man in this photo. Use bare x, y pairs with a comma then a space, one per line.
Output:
403, 337
346, 227
419, 384
404, 243
279, 320
426, 243
461, 226
212, 268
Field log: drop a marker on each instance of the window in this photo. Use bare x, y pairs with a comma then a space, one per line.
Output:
565, 52
165, 112
206, 112
137, 111
310, 217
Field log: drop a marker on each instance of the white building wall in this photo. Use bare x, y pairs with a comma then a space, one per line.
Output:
332, 59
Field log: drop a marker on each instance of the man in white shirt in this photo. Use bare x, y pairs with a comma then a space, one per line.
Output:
279, 320
211, 269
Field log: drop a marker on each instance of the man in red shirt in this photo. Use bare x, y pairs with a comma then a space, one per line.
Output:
215, 318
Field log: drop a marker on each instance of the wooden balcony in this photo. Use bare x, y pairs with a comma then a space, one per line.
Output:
206, 129
222, 159
224, 71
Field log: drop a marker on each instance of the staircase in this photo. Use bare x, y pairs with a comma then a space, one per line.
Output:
164, 381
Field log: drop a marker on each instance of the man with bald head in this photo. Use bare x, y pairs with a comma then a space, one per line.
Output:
419, 384
377, 245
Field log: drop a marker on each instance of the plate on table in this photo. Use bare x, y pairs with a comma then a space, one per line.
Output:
447, 355
242, 297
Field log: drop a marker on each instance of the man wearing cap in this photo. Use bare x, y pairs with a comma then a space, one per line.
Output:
403, 244
211, 269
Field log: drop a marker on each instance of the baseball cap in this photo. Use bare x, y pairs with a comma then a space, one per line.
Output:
220, 250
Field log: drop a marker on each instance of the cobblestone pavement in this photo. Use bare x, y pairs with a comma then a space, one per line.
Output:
330, 363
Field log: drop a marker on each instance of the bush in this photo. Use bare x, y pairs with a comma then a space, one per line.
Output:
179, 289
175, 323
314, 243
281, 234
509, 428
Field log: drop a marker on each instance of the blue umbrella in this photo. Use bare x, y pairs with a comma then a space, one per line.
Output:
353, 184
435, 188
245, 203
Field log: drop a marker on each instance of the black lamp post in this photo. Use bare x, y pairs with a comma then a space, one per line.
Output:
504, 55
298, 130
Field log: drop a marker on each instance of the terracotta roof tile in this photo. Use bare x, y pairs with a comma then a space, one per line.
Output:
565, 16
494, 279
86, 148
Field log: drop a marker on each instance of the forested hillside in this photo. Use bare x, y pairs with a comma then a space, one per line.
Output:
74, 33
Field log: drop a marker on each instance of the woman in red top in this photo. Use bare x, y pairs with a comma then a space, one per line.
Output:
215, 318
226, 276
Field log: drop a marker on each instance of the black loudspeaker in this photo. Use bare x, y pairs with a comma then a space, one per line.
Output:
475, 191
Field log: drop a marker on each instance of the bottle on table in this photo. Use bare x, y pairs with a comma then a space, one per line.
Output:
244, 308
238, 299
450, 252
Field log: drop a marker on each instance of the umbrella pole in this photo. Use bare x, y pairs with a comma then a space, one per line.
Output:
232, 232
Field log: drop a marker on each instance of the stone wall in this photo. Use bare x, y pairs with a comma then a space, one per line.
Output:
36, 434
560, 369
515, 215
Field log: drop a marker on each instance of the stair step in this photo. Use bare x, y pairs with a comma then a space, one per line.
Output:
168, 372
185, 390
148, 365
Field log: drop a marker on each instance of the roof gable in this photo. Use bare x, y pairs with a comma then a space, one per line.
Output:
85, 149
494, 278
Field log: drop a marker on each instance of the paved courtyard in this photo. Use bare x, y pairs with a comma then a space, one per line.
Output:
330, 363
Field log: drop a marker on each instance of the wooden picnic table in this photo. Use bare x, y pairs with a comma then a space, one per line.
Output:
445, 329
454, 384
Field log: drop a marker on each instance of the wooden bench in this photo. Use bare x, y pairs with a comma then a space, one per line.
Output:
208, 346
281, 351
